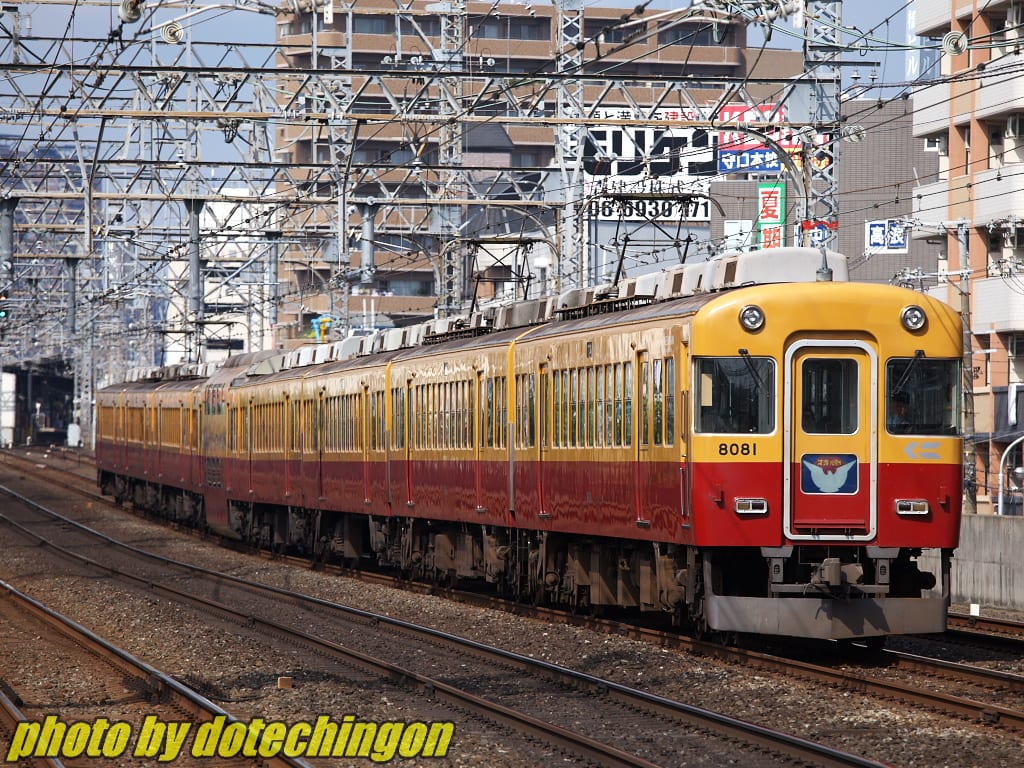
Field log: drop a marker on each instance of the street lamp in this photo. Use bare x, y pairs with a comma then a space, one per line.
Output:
1002, 469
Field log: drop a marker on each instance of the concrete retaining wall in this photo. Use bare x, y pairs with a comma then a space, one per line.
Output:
988, 566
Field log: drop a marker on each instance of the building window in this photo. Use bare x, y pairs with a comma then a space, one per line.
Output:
510, 28
524, 160
429, 26
373, 25
703, 35
611, 30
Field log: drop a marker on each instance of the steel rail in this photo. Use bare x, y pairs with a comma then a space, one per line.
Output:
154, 680
10, 717
751, 733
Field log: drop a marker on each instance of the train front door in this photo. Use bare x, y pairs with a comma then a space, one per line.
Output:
830, 430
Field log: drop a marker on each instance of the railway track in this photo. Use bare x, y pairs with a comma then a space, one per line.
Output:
989, 697
1003, 634
560, 706
11, 717
105, 677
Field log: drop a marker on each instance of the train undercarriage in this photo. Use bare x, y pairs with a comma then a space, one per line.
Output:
833, 592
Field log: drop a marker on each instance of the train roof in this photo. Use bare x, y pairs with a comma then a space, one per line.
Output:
678, 291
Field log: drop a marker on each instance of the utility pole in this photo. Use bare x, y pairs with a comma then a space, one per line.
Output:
823, 20
967, 361
970, 446
569, 152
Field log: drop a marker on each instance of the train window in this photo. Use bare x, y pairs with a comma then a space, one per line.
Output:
556, 407
373, 422
829, 396
645, 404
433, 424
454, 414
618, 403
599, 403
573, 395
470, 410
443, 420
735, 395
246, 441
478, 412
531, 410
564, 439
627, 404
502, 413
670, 401
922, 396
609, 404
658, 385
488, 408
170, 419
591, 406
421, 418
467, 414
334, 423
544, 399
520, 392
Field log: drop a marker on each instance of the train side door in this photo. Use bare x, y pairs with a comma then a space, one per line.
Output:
640, 391
479, 417
287, 416
368, 426
249, 439
318, 444
542, 435
122, 431
407, 438
829, 422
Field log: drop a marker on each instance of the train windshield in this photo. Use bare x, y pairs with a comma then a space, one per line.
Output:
922, 396
735, 395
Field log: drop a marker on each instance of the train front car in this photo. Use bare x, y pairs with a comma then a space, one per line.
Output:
825, 459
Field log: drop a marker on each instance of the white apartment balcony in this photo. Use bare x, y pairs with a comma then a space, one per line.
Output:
933, 17
1000, 91
998, 194
997, 305
931, 201
931, 109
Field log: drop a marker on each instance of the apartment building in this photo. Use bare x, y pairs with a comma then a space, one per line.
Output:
970, 108
631, 65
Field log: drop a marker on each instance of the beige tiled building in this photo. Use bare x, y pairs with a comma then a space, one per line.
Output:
970, 107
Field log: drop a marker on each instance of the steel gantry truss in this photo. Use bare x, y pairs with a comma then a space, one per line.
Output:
150, 183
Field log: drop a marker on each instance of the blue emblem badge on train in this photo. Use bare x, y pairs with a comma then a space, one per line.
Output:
829, 474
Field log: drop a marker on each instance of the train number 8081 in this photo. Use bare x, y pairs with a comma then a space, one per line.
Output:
737, 449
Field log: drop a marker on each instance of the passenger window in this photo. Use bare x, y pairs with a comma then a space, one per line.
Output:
735, 395
830, 396
922, 396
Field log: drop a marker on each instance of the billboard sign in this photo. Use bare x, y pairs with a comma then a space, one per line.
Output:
771, 214
741, 152
887, 236
654, 172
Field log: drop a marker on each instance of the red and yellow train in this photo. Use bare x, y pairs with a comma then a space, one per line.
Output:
746, 447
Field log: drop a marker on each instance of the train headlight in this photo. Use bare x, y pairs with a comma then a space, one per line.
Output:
913, 318
752, 317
